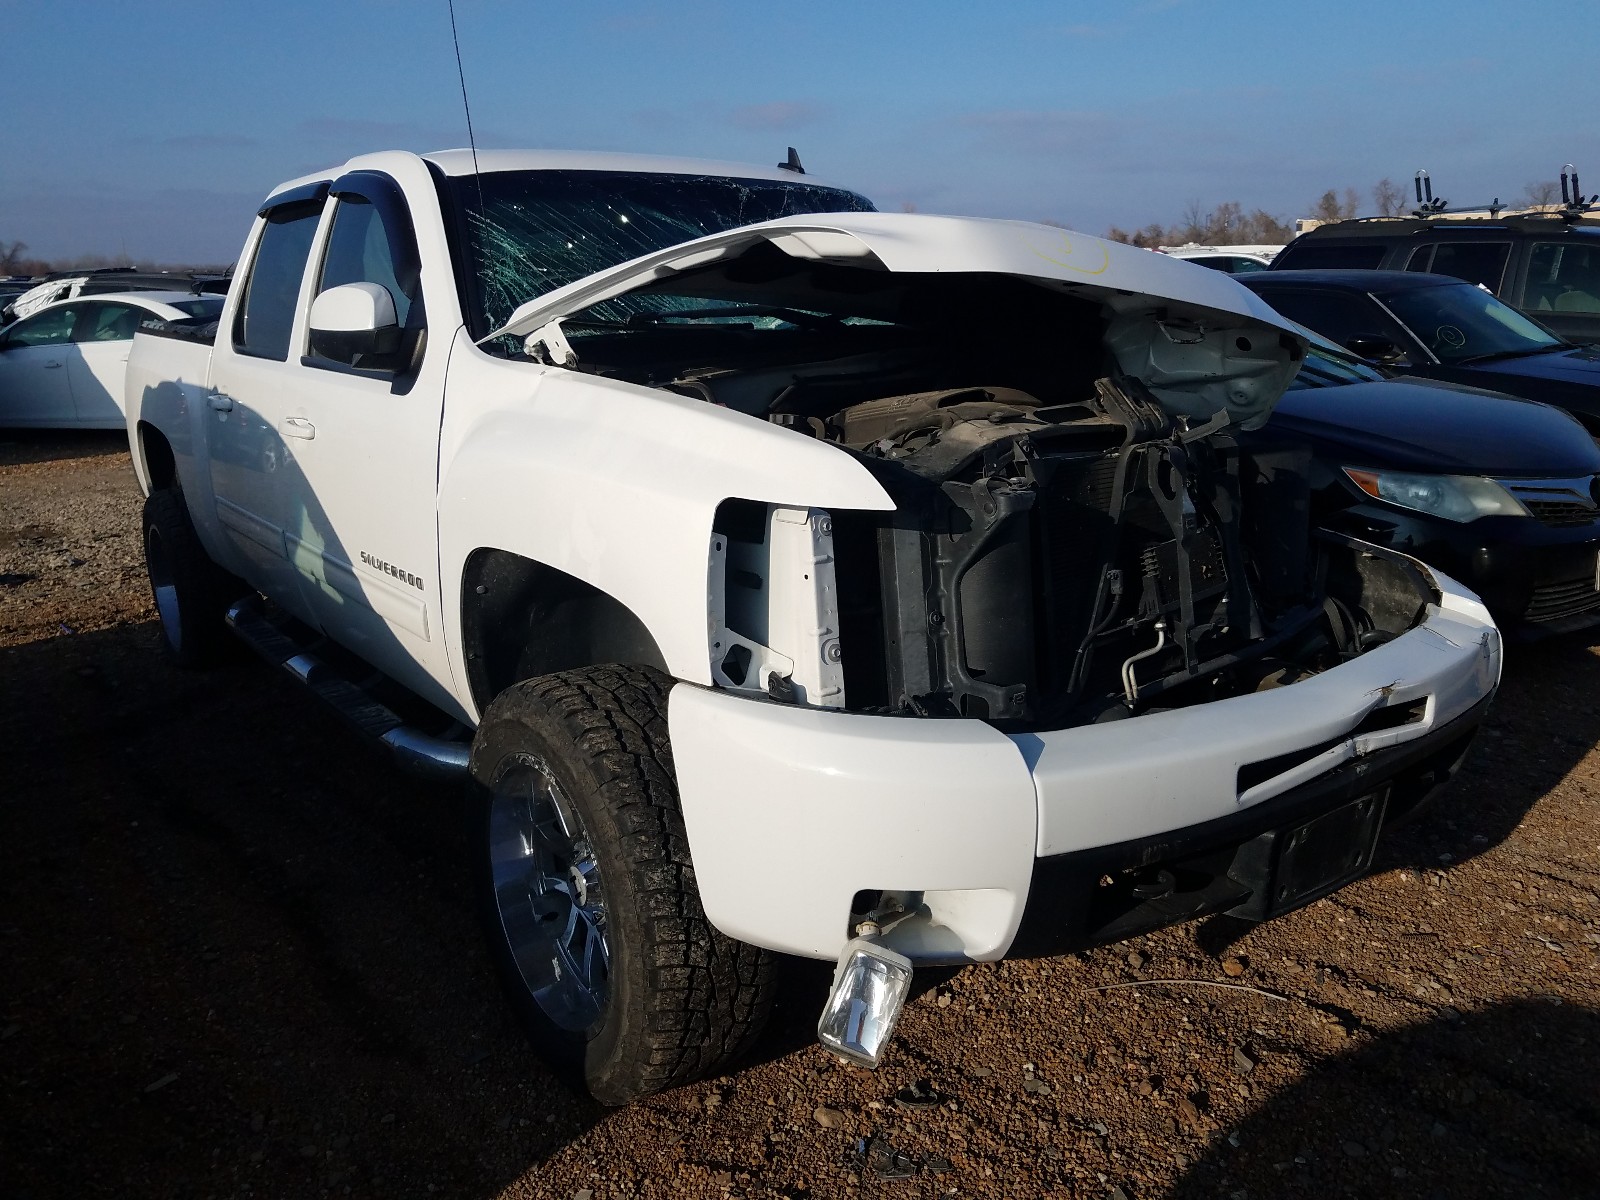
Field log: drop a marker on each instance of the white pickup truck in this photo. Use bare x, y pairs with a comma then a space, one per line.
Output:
789, 577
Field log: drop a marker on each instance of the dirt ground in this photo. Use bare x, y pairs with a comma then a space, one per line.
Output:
238, 958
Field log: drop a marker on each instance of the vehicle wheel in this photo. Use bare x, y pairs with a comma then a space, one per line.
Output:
589, 895
191, 592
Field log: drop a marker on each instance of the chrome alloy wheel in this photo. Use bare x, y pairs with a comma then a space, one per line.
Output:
547, 891
164, 587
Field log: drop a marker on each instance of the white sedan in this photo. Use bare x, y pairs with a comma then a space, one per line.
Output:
63, 366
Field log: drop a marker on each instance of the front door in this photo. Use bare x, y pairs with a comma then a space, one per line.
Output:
35, 385
360, 495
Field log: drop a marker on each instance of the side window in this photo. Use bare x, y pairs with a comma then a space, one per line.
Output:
262, 325
1421, 259
52, 327
1336, 315
1328, 254
1563, 277
364, 247
107, 323
1476, 262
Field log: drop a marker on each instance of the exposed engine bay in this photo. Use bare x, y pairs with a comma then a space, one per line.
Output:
1078, 535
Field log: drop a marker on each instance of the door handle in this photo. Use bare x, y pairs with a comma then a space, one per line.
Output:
50, 366
220, 402
299, 427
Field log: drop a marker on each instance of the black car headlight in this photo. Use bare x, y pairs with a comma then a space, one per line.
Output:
1450, 497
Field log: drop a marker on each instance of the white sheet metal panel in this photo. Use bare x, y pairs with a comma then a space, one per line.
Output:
1118, 274
790, 811
1104, 784
616, 485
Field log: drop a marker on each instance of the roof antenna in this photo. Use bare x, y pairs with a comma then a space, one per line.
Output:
793, 164
462, 75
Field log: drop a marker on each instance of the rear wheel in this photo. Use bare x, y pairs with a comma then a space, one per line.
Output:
191, 592
589, 896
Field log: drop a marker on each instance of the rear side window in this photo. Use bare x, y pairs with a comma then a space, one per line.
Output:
107, 323
1476, 262
1332, 255
266, 316
1563, 277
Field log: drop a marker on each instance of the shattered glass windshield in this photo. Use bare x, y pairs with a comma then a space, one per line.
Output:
534, 231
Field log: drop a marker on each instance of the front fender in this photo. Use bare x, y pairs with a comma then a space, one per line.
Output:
617, 485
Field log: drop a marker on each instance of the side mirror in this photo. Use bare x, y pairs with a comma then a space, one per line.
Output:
1377, 348
355, 321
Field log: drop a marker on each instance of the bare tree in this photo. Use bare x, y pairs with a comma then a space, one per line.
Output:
1227, 224
1388, 197
1542, 193
11, 257
1330, 208
1196, 221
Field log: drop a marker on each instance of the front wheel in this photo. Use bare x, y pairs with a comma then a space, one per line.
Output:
590, 902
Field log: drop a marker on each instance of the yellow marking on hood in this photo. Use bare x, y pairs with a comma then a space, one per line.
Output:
1066, 242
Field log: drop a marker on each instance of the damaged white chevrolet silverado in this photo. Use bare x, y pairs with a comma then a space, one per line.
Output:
789, 577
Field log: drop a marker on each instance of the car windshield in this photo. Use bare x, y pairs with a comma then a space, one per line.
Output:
530, 232
1322, 368
1463, 323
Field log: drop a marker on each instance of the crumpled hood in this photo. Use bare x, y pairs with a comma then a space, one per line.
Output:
1201, 342
1419, 425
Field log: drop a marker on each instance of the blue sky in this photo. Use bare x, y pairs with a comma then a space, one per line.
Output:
154, 128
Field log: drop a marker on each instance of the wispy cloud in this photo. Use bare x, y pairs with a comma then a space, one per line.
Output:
209, 141
343, 129
1044, 131
778, 116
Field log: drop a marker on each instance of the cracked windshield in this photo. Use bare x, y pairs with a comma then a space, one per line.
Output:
534, 231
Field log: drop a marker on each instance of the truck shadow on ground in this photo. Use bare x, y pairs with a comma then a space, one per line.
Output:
241, 948
242, 952
1498, 1103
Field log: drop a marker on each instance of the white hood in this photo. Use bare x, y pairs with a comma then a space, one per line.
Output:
1201, 342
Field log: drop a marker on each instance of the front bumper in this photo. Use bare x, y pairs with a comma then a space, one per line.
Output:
792, 811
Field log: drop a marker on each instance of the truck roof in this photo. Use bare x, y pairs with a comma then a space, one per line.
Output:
460, 162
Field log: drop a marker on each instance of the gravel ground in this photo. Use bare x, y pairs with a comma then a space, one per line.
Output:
240, 959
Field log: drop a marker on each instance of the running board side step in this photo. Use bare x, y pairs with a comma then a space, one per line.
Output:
414, 751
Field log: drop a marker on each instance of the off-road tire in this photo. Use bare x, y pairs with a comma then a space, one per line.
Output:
684, 1000
191, 592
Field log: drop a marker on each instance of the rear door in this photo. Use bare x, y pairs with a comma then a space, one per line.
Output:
98, 362
1477, 260
1562, 287
35, 388
253, 379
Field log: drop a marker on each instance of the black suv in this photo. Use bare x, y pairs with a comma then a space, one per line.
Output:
1546, 264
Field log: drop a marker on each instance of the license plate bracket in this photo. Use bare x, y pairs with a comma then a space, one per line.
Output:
1289, 868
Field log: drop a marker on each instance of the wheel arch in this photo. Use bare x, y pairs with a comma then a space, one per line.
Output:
155, 463
521, 619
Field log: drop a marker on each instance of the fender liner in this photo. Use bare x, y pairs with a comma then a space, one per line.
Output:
521, 619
